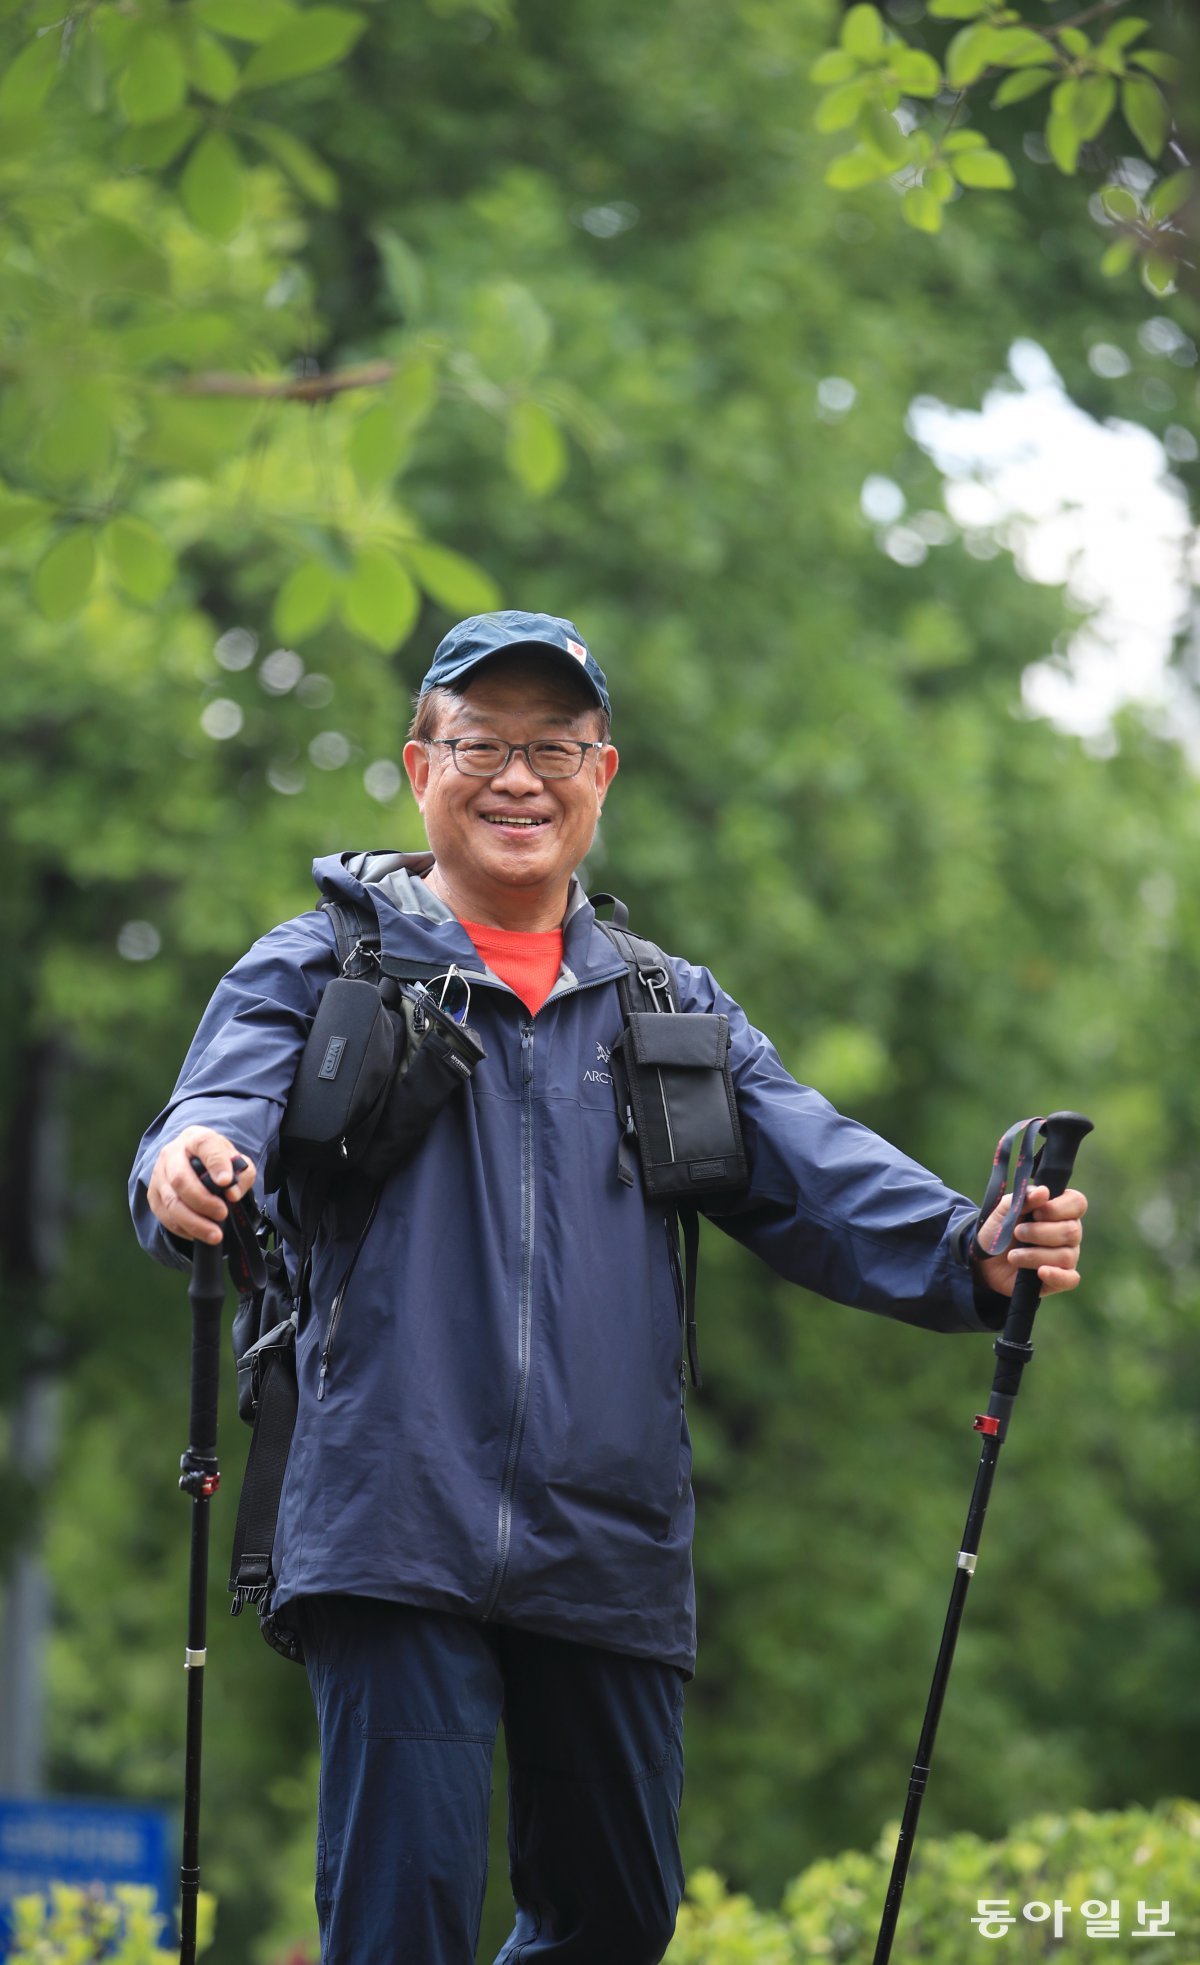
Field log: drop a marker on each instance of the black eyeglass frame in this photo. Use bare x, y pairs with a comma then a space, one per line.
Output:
567, 743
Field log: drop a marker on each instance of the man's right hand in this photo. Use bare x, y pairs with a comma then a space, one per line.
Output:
178, 1197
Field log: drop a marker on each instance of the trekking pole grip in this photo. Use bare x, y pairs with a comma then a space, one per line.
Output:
206, 1294
1064, 1133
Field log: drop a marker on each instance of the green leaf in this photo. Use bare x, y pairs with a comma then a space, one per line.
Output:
1120, 204
922, 209
957, 9
403, 274
1172, 193
984, 170
1076, 42
1063, 138
103, 253
246, 20
1155, 62
64, 574
141, 560
835, 65
957, 140
1158, 275
841, 106
20, 134
862, 33
302, 164
75, 441
1095, 100
378, 445
877, 127
1021, 84
1062, 102
314, 40
212, 69
413, 390
305, 601
1117, 258
453, 581
968, 55
1145, 110
534, 449
510, 332
1018, 47
380, 601
186, 337
939, 179
212, 186
152, 146
154, 84
917, 73
857, 167
194, 435
1111, 60
115, 34
1122, 32
28, 79
17, 513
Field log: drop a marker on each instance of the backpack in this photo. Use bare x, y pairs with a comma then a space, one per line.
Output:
402, 1056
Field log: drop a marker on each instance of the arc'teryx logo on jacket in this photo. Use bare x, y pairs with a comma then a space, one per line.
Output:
594, 1076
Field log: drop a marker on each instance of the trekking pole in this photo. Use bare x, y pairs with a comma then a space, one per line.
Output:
1052, 1169
200, 1476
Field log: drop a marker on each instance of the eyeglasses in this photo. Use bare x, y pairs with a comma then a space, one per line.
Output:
550, 757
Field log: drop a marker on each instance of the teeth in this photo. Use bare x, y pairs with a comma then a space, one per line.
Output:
498, 819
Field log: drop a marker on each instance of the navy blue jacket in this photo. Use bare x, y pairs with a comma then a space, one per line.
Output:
501, 1430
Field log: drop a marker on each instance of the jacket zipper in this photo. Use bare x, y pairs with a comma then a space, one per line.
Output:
516, 1430
340, 1294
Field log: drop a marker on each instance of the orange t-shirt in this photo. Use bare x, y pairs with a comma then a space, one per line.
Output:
529, 964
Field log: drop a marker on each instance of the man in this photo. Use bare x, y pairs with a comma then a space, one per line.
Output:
488, 1509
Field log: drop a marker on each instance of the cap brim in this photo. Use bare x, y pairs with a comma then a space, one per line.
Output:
570, 665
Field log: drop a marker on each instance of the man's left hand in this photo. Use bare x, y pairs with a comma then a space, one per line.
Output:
1047, 1239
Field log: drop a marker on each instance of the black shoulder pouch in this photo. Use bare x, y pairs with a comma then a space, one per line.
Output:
344, 1076
674, 1077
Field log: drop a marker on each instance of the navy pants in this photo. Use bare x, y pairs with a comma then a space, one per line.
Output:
408, 1702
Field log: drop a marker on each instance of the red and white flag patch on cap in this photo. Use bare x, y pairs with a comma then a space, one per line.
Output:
577, 649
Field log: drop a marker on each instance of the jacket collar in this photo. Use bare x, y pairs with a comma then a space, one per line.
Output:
408, 912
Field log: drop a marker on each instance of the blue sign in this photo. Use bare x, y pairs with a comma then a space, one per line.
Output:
44, 1840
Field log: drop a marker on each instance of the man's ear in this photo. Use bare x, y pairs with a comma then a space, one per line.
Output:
416, 763
606, 770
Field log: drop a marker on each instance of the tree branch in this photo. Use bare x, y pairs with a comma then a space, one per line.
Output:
1077, 20
291, 388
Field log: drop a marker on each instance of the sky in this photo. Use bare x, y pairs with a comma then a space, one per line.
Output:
1090, 505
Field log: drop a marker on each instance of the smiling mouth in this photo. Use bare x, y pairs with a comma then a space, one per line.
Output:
506, 819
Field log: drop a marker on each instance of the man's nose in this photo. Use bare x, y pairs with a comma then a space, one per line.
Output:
517, 775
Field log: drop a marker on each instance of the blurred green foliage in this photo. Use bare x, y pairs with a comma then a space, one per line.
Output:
75, 1927
1054, 1865
617, 353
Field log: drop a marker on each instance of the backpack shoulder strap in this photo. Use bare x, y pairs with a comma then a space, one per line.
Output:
649, 980
649, 985
356, 932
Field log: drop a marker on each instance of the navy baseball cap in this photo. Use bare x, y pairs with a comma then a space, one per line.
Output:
474, 641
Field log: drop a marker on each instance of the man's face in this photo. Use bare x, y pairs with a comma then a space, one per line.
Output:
513, 831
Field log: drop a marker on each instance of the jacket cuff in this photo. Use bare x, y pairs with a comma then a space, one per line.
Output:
989, 1307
